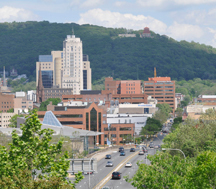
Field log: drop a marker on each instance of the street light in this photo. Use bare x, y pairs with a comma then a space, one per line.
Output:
175, 149
86, 140
89, 167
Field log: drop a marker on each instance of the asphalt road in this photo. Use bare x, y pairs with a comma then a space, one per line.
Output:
103, 173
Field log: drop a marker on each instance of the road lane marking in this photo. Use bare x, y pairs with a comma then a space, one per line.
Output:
119, 166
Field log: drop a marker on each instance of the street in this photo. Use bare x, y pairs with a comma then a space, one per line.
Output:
103, 176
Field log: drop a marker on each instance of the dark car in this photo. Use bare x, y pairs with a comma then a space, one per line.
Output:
108, 156
145, 150
116, 175
121, 149
122, 154
132, 150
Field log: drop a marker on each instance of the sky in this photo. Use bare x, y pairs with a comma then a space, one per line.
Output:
190, 20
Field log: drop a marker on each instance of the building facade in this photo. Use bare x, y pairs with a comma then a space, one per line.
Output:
6, 101
4, 119
162, 89
67, 69
122, 86
22, 103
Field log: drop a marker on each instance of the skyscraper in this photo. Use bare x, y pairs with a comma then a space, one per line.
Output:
72, 64
64, 72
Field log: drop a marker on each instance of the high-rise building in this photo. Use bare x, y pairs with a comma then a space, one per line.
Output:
72, 64
68, 69
162, 89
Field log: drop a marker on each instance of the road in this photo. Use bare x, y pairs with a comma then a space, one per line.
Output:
103, 174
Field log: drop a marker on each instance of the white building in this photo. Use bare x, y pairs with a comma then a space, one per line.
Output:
67, 69
4, 119
72, 64
131, 113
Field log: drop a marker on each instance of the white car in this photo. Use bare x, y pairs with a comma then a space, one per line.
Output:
128, 164
141, 153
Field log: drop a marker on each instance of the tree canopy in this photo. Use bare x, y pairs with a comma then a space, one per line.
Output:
169, 169
33, 154
109, 54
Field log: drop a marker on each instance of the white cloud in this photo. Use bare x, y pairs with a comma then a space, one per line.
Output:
185, 32
119, 3
91, 3
194, 2
118, 20
10, 14
164, 4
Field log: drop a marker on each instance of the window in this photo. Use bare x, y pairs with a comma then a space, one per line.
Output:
93, 120
125, 128
87, 121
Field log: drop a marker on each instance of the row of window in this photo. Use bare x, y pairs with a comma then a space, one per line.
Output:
114, 128
159, 83
6, 102
159, 87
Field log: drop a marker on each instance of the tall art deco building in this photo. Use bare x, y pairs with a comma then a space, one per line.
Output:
63, 72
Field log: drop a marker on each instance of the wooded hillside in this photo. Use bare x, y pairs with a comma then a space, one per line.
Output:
124, 58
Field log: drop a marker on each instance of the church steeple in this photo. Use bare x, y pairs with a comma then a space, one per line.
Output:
40, 87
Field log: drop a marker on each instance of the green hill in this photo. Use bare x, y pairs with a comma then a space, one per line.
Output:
124, 58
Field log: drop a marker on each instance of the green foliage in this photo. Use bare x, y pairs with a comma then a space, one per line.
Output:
109, 54
10, 110
176, 122
21, 85
195, 87
165, 108
33, 151
13, 120
152, 125
179, 112
167, 171
43, 105
24, 180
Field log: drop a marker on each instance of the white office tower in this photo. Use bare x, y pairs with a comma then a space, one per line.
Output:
72, 64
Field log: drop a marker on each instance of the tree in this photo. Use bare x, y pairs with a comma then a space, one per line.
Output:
152, 125
13, 120
33, 151
165, 108
43, 105
166, 171
161, 116
179, 112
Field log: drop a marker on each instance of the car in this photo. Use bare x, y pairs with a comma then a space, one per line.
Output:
128, 164
109, 164
108, 156
132, 150
151, 145
106, 187
88, 172
141, 153
122, 154
121, 149
116, 175
145, 150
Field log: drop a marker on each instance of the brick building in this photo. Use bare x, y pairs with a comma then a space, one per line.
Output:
89, 117
162, 89
122, 86
6, 101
